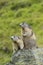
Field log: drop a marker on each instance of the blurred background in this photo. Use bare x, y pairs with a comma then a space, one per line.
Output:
12, 13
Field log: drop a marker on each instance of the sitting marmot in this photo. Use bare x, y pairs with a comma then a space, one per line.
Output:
29, 38
17, 43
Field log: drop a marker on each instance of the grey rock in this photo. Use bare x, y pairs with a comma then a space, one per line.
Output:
27, 57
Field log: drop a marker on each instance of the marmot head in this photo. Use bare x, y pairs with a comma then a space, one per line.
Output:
24, 25
15, 38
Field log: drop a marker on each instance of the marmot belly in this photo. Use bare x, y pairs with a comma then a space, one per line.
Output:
29, 44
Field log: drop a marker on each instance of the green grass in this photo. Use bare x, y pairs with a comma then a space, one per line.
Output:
12, 13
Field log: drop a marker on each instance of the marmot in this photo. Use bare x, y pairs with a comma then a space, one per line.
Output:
17, 43
29, 38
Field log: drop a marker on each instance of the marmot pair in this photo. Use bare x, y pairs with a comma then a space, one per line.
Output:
28, 39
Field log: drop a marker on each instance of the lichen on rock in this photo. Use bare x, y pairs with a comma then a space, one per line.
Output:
27, 57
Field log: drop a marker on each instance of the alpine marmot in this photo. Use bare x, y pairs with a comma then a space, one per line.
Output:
29, 38
17, 43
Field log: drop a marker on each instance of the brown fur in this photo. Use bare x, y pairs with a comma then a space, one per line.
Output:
28, 37
17, 43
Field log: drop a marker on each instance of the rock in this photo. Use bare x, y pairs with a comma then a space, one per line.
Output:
38, 54
27, 57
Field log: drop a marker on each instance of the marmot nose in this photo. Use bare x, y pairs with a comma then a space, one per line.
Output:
20, 24
11, 37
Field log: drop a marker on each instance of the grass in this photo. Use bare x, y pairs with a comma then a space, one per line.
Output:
12, 13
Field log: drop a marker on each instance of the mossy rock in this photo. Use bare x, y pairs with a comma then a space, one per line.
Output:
27, 57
